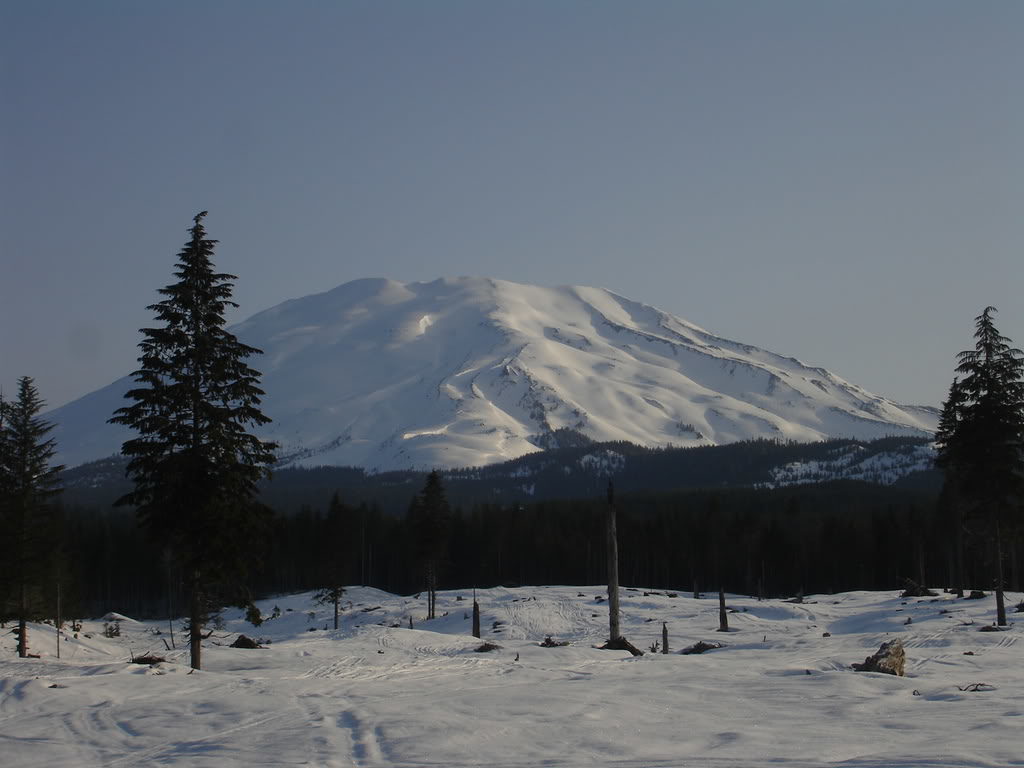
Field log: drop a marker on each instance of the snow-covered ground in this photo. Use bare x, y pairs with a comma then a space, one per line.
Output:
376, 693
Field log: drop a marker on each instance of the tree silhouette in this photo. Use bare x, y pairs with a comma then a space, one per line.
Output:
430, 518
981, 437
194, 463
28, 483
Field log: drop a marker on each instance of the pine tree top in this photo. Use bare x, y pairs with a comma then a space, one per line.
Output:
26, 450
981, 430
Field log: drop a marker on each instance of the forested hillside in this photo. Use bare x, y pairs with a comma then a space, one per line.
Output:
575, 467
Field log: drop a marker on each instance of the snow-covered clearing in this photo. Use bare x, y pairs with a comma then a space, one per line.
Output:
376, 693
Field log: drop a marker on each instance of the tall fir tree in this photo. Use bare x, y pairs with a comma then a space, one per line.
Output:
195, 463
949, 504
949, 420
28, 484
7, 591
430, 516
981, 438
332, 554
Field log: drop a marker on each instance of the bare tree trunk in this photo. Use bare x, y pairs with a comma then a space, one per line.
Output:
920, 563
613, 569
950, 568
195, 630
337, 599
362, 550
664, 637
476, 617
960, 576
170, 609
58, 624
22, 621
1014, 567
1000, 598
431, 588
723, 616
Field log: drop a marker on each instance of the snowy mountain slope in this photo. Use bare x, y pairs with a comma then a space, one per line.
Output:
471, 371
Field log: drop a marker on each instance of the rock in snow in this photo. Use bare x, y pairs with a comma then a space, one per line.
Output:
889, 658
472, 371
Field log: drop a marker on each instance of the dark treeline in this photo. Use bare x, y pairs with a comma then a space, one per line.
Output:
817, 538
577, 470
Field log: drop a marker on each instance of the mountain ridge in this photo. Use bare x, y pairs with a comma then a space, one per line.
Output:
472, 371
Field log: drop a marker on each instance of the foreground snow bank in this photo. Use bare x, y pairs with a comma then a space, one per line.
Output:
377, 693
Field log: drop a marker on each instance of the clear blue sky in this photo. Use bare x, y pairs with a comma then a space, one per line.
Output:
839, 181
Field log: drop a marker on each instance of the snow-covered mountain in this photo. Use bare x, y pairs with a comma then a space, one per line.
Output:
472, 371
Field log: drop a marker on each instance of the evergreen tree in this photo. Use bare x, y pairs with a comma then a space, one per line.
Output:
28, 483
949, 502
5, 467
333, 550
430, 515
949, 420
194, 463
981, 436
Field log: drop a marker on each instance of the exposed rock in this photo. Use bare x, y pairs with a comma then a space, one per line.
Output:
976, 594
487, 647
889, 658
243, 641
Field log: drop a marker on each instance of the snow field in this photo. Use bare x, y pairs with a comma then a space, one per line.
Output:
376, 693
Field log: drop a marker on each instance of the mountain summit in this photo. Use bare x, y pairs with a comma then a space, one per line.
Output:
471, 371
